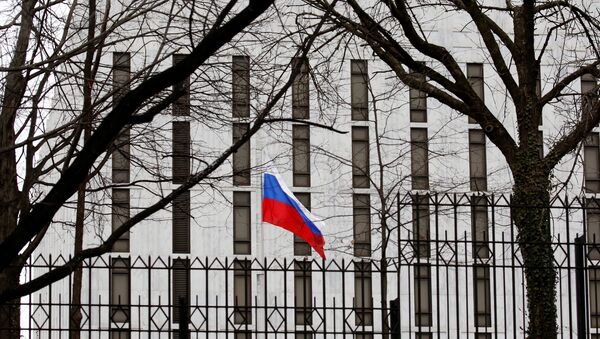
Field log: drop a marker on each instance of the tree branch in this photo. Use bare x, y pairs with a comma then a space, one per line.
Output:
111, 125
306, 122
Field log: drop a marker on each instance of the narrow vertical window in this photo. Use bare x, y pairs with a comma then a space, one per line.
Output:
181, 223
241, 223
475, 78
363, 297
120, 214
181, 151
242, 289
119, 333
301, 247
479, 227
477, 160
121, 82
591, 166
594, 293
359, 90
303, 335
241, 157
360, 157
121, 75
181, 287
361, 213
588, 98
481, 292
120, 158
301, 155
303, 292
241, 86
181, 106
418, 102
419, 162
592, 224
300, 90
423, 335
120, 289
420, 221
423, 313
242, 334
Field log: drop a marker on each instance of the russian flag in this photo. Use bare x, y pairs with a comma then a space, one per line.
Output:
281, 208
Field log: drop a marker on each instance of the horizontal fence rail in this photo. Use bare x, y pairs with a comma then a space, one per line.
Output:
452, 269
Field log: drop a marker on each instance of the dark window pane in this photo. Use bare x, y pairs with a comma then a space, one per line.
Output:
477, 160
418, 102
360, 157
422, 291
240, 334
121, 158
593, 228
121, 75
588, 96
301, 155
421, 232
479, 227
120, 333
241, 86
363, 294
303, 335
242, 289
241, 158
481, 293
300, 91
303, 292
241, 223
181, 223
475, 78
359, 89
591, 164
181, 286
120, 291
120, 214
181, 151
181, 106
362, 225
419, 164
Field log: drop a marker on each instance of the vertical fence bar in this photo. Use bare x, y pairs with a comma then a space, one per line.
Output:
184, 317
580, 287
395, 318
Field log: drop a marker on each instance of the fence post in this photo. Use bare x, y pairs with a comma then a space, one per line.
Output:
395, 318
184, 332
580, 287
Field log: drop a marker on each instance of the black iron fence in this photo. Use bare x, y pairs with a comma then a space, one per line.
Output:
452, 269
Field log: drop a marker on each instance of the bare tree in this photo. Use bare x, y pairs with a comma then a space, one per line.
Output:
515, 39
44, 163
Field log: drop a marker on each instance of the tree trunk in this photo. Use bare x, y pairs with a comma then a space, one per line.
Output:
10, 197
530, 214
75, 312
10, 312
88, 84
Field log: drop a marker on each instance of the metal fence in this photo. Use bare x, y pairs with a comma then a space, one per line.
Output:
452, 270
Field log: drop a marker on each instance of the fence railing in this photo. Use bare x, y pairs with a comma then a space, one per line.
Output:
452, 270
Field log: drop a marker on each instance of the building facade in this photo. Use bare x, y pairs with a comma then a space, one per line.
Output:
407, 176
